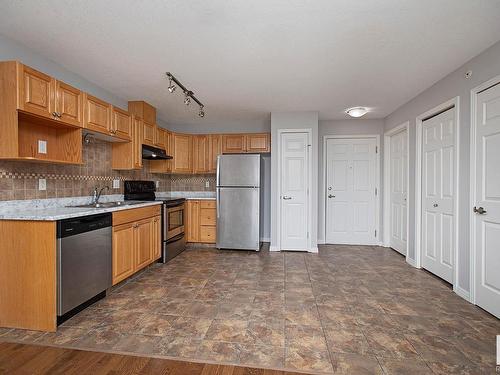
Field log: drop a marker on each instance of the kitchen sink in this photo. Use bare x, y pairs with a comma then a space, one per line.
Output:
107, 204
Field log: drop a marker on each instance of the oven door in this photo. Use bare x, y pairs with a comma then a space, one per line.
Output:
174, 221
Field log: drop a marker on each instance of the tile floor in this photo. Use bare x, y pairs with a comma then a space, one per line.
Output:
346, 310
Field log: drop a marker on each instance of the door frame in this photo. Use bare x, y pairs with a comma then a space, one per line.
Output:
387, 183
417, 262
309, 184
377, 178
473, 194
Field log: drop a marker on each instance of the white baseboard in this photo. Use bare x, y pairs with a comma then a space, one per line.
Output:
411, 262
273, 248
321, 242
462, 293
265, 239
314, 250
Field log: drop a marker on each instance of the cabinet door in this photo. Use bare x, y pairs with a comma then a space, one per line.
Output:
36, 92
215, 149
200, 154
192, 221
123, 251
97, 115
69, 104
182, 146
137, 143
257, 143
144, 243
157, 243
233, 143
161, 138
122, 124
149, 133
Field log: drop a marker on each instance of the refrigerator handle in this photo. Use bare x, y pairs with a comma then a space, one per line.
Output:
217, 172
217, 199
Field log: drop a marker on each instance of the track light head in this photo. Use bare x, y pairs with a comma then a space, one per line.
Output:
187, 97
171, 88
202, 112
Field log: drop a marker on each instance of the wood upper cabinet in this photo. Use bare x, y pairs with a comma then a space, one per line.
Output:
128, 155
201, 153
137, 142
192, 221
97, 114
149, 133
124, 244
121, 124
233, 143
257, 143
161, 138
246, 143
36, 92
144, 110
69, 104
144, 243
182, 151
214, 150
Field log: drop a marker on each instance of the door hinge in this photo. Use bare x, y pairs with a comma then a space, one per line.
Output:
376, 191
307, 235
375, 233
376, 149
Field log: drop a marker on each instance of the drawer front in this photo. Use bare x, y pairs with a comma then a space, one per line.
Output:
135, 214
208, 204
207, 234
208, 216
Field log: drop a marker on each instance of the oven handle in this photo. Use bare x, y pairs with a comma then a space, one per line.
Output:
175, 238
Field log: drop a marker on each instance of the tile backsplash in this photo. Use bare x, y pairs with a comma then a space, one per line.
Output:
19, 179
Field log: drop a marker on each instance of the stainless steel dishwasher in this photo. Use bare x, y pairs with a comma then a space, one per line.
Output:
84, 254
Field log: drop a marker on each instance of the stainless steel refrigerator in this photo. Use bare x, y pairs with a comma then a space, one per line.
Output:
238, 202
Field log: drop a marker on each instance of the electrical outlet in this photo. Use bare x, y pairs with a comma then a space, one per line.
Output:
207, 184
116, 184
42, 184
42, 146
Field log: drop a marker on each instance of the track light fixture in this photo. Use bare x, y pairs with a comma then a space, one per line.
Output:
188, 94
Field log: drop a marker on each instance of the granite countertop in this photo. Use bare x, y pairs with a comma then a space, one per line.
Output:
58, 212
57, 208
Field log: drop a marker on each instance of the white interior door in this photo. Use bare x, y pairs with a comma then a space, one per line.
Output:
487, 218
438, 194
398, 191
294, 191
350, 191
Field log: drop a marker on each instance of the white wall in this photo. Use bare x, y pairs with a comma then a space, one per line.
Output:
345, 127
484, 67
293, 120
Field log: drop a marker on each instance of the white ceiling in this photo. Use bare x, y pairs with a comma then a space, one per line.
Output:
245, 59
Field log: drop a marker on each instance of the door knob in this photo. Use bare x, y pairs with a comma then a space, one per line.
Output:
435, 205
331, 196
286, 198
479, 210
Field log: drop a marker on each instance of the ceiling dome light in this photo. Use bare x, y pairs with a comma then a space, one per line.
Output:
356, 111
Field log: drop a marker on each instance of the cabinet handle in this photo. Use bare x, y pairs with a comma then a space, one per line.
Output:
58, 114
54, 114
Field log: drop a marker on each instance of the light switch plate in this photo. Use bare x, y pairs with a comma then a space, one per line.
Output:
42, 184
42, 146
157, 184
116, 184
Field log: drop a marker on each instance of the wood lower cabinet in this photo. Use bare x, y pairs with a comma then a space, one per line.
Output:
201, 221
136, 240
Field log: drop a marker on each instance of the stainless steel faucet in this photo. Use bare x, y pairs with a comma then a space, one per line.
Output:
96, 194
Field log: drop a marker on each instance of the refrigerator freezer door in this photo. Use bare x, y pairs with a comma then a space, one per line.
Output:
238, 218
238, 170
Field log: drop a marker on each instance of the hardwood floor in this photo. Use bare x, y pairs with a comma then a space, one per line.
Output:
34, 359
